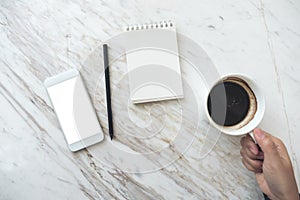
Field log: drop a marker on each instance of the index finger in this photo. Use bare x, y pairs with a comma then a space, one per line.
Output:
250, 144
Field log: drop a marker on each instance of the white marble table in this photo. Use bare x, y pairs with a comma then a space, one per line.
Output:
39, 39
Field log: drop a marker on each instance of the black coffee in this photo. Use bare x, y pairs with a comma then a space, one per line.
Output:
228, 103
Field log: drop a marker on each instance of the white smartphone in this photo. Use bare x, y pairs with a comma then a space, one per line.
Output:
74, 110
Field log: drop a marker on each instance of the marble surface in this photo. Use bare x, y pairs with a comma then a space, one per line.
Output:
39, 39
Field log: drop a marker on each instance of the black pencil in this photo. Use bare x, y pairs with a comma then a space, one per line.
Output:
108, 97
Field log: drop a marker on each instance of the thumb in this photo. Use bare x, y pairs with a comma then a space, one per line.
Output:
266, 143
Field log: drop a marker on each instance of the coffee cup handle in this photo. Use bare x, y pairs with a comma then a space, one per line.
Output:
252, 136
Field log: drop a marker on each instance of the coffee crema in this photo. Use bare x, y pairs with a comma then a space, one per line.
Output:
231, 103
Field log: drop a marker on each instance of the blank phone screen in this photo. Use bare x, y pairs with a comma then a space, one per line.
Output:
74, 109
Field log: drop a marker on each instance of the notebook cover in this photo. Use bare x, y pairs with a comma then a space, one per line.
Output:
153, 63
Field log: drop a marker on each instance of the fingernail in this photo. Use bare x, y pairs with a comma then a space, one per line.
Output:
259, 133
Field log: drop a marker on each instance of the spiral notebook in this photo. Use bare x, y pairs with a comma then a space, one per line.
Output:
153, 63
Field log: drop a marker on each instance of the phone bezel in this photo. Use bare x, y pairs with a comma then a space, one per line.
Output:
97, 137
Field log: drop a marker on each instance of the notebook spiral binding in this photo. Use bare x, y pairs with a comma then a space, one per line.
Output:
152, 25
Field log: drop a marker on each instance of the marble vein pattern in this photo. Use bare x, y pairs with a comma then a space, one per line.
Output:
39, 39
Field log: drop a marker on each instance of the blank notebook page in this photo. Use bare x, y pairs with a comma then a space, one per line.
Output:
153, 62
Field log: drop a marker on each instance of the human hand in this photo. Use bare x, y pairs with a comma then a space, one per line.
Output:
271, 165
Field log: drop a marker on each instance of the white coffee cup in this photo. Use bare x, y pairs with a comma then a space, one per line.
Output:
256, 118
